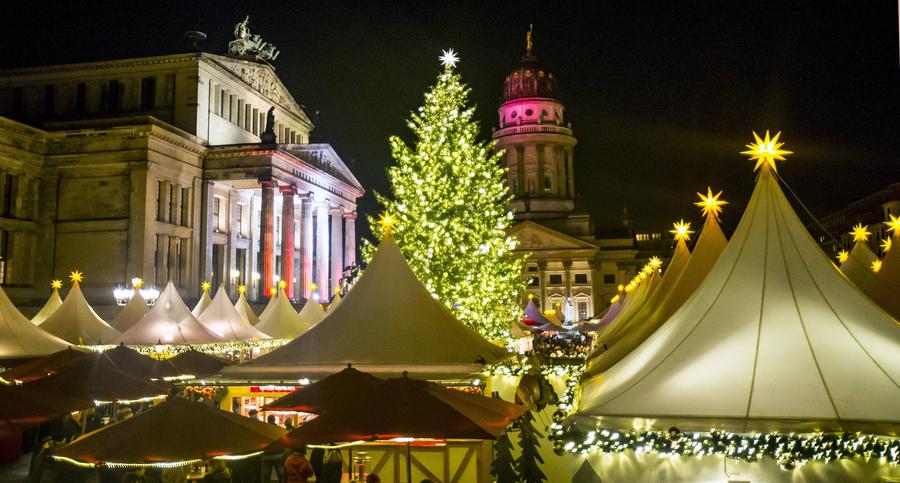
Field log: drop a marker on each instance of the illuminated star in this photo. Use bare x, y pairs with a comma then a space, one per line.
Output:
387, 223
76, 277
621, 288
876, 265
282, 284
205, 286
860, 233
242, 289
449, 59
711, 203
766, 151
313, 287
893, 225
886, 245
337, 290
655, 262
843, 256
273, 291
682, 231
137, 282
56, 284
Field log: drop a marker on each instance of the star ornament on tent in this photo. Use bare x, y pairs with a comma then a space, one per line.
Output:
76, 276
876, 265
682, 231
893, 225
710, 203
206, 286
242, 289
843, 256
449, 58
860, 233
886, 244
56, 284
765, 151
282, 284
387, 223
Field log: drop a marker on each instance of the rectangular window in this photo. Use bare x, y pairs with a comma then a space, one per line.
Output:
532, 268
80, 98
293, 137
231, 99
222, 95
49, 100
178, 272
609, 279
247, 118
111, 96
556, 279
581, 278
240, 112
582, 310
148, 93
172, 199
217, 211
185, 207
256, 121
548, 183
158, 260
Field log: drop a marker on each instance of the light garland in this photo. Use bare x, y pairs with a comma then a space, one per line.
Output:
163, 351
160, 464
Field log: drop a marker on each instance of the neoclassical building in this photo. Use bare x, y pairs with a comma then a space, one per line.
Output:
153, 167
566, 260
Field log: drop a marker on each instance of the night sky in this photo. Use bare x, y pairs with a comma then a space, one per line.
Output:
662, 95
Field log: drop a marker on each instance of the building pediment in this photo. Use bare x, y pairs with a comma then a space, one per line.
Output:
534, 236
323, 157
262, 78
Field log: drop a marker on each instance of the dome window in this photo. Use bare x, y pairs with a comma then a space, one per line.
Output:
528, 112
513, 115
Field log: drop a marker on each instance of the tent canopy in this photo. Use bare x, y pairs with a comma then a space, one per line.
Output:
131, 312
19, 338
222, 319
197, 364
97, 379
388, 323
879, 287
168, 322
312, 313
76, 322
47, 310
203, 303
245, 311
280, 320
774, 338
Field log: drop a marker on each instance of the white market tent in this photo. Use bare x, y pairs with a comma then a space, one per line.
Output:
312, 313
707, 250
880, 288
388, 323
222, 319
634, 301
52, 304
19, 338
281, 321
203, 303
168, 322
773, 339
245, 311
76, 322
890, 266
335, 301
269, 306
131, 312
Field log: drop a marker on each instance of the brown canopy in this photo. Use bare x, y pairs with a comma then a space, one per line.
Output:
197, 364
24, 407
137, 365
45, 366
347, 385
176, 430
97, 379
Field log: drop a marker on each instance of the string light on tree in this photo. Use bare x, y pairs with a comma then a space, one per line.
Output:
682, 231
765, 151
710, 203
449, 210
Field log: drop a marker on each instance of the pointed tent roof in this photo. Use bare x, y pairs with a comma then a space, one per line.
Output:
890, 266
707, 250
245, 311
203, 303
270, 305
169, 322
634, 302
222, 319
388, 323
880, 289
335, 301
131, 312
76, 322
47, 310
19, 338
611, 312
773, 339
281, 321
312, 313
534, 314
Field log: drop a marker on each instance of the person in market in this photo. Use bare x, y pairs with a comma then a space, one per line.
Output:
218, 472
297, 468
272, 459
136, 476
333, 468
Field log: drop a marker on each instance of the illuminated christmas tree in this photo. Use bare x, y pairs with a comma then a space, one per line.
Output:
450, 210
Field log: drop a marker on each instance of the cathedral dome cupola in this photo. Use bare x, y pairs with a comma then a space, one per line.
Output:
529, 79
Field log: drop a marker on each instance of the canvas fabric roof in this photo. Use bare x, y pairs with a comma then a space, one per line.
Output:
388, 323
281, 320
202, 304
76, 322
169, 322
19, 338
773, 339
245, 311
881, 289
635, 301
270, 305
312, 313
47, 310
707, 250
335, 301
890, 266
535, 315
131, 312
222, 319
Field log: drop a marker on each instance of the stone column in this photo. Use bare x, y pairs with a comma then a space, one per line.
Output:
571, 174
207, 226
267, 237
337, 248
306, 244
295, 250
349, 238
287, 238
567, 279
322, 250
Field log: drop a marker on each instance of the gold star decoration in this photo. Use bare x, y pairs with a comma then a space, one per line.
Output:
860, 233
766, 151
531, 296
876, 265
56, 284
273, 291
843, 256
710, 203
621, 288
313, 287
76, 277
893, 225
337, 290
614, 299
137, 282
205, 286
242, 289
886, 245
282, 284
682, 231
387, 223
655, 262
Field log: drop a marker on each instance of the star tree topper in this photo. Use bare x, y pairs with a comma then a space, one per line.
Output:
449, 58
766, 151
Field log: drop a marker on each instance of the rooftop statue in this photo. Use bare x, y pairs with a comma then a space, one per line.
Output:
246, 44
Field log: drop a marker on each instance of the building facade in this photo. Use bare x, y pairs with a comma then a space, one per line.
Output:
153, 167
833, 234
566, 261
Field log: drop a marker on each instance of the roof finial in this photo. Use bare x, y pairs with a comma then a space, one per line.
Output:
528, 40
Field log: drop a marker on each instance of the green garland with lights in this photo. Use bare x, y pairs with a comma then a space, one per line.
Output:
170, 350
450, 203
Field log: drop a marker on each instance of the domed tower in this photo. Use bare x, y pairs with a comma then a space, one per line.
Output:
539, 147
